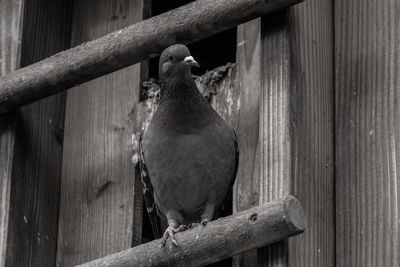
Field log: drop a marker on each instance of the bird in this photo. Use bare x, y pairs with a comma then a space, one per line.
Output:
188, 154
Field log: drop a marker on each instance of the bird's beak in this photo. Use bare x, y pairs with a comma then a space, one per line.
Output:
190, 60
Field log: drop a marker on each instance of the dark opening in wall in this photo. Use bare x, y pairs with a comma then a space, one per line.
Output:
211, 52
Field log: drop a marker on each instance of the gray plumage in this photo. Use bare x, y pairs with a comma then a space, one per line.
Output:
189, 154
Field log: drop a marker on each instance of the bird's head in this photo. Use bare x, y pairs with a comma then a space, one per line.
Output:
176, 61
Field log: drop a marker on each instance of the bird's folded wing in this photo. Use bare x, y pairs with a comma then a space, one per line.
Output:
148, 192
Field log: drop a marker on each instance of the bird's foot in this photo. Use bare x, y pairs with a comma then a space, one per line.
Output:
203, 222
170, 233
193, 225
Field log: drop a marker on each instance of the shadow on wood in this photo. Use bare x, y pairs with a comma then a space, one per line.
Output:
220, 239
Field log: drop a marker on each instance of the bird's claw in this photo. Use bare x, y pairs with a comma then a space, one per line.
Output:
203, 222
170, 233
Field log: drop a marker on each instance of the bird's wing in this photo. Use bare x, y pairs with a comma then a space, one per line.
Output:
228, 199
148, 192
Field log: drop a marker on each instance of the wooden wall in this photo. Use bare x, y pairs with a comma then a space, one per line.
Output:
367, 55
30, 169
97, 212
11, 14
314, 98
285, 65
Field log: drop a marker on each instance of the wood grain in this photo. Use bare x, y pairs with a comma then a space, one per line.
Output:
98, 215
11, 18
199, 246
295, 129
128, 46
246, 189
36, 172
367, 59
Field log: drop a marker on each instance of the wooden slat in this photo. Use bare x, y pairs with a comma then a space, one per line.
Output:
246, 189
11, 14
33, 165
367, 59
36, 173
98, 214
296, 133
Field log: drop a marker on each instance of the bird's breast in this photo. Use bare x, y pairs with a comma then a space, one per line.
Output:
187, 170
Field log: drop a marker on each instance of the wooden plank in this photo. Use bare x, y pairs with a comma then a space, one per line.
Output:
36, 173
246, 189
367, 59
36, 161
98, 215
295, 141
33, 180
128, 46
199, 246
11, 17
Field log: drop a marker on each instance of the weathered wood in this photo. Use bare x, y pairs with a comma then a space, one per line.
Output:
219, 87
220, 239
295, 141
367, 57
98, 213
36, 170
246, 189
11, 17
128, 46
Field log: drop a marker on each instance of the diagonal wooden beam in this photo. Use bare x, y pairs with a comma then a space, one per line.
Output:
220, 239
130, 45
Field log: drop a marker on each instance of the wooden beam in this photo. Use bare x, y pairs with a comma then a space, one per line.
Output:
125, 47
100, 210
367, 57
218, 240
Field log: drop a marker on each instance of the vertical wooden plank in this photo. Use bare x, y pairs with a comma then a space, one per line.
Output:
11, 19
31, 168
246, 189
367, 58
97, 213
312, 131
295, 140
36, 172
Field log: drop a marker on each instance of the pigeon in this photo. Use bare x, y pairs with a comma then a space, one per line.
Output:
188, 154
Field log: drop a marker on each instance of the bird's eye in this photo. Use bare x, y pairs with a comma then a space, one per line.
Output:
170, 58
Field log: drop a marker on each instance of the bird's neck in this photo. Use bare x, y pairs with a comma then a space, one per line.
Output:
181, 91
181, 106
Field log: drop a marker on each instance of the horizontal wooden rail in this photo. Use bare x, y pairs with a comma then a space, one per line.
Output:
220, 239
189, 23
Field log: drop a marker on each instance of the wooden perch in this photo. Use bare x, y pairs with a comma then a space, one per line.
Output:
220, 239
127, 46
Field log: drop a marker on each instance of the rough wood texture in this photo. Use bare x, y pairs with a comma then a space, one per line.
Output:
246, 189
219, 239
128, 46
98, 214
219, 86
36, 171
10, 36
295, 142
367, 132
